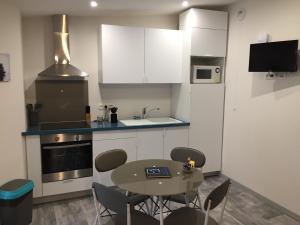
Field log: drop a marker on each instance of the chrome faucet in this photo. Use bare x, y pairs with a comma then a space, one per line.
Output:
146, 112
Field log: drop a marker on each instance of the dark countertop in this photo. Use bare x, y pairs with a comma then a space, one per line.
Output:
101, 126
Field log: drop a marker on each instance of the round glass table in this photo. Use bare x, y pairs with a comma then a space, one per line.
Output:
132, 178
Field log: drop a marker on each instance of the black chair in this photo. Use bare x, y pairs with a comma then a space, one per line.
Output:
118, 203
192, 216
181, 154
108, 161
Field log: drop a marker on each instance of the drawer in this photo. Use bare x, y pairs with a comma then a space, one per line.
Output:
117, 134
67, 186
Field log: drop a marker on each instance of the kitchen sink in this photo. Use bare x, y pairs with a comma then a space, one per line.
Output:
164, 120
150, 121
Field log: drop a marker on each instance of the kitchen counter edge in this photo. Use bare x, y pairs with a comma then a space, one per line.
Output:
103, 126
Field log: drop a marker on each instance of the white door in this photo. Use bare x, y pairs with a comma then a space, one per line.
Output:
206, 130
209, 42
150, 144
175, 137
122, 54
163, 53
129, 145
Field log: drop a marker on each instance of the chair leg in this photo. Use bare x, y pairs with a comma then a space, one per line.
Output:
161, 216
97, 221
148, 207
187, 203
97, 207
198, 199
156, 207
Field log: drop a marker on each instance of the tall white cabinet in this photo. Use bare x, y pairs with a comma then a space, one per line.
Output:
140, 55
205, 43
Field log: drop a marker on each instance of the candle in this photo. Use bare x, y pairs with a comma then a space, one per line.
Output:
192, 163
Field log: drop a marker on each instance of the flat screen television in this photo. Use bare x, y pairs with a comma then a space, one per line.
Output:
279, 56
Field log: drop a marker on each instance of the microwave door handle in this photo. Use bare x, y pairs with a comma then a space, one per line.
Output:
66, 146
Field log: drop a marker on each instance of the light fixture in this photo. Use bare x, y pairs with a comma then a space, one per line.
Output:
185, 3
94, 4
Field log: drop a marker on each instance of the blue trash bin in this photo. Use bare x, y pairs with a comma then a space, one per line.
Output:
16, 202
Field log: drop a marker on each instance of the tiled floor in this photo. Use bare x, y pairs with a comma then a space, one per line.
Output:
243, 208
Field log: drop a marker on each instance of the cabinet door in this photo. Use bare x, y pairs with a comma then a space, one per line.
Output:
129, 145
150, 144
163, 53
34, 164
122, 54
210, 19
206, 130
175, 137
208, 42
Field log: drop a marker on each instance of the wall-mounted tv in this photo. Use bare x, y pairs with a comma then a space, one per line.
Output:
279, 56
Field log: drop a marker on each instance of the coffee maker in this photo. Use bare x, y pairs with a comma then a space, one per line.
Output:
114, 115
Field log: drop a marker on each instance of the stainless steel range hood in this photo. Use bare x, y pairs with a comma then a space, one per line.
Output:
61, 69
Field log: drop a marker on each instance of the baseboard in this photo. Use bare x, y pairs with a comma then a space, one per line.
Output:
272, 203
54, 198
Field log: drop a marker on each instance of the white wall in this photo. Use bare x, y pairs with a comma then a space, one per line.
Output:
84, 35
12, 119
262, 117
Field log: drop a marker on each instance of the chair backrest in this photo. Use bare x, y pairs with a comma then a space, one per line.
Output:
110, 160
111, 199
217, 195
181, 154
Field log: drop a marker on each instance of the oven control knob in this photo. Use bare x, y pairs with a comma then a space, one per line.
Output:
56, 138
77, 138
217, 70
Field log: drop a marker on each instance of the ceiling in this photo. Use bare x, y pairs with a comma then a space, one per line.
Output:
110, 7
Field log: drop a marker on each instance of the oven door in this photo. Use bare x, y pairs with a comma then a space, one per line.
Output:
62, 161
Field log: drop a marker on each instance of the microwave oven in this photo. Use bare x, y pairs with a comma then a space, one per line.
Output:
206, 74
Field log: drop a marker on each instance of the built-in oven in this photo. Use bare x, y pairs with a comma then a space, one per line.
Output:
66, 156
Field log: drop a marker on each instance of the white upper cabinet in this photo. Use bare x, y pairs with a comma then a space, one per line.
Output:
163, 53
139, 55
208, 32
202, 18
209, 42
122, 54
209, 19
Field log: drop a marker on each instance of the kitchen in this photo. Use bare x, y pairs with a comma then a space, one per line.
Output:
151, 78
51, 87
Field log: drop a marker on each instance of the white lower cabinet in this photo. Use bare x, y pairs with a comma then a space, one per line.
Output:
113, 142
175, 137
153, 143
67, 186
150, 144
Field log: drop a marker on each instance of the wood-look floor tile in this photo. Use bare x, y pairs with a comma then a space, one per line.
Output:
243, 208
